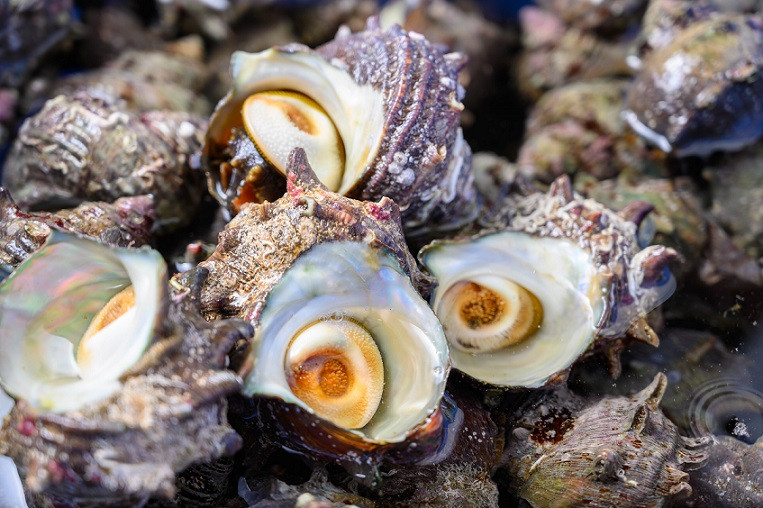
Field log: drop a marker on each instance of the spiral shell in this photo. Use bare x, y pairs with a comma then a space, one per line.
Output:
377, 111
565, 450
87, 147
125, 223
342, 337
549, 265
98, 421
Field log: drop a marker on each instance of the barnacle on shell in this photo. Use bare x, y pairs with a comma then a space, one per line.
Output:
567, 450
555, 276
117, 388
376, 111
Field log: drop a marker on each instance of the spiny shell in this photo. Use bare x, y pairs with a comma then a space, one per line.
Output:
263, 240
638, 278
168, 414
703, 91
566, 450
415, 154
125, 223
88, 148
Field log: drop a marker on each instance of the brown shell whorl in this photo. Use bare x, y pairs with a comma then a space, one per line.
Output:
279, 232
125, 223
169, 413
613, 451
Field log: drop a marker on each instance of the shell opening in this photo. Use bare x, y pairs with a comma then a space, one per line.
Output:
72, 332
534, 304
489, 313
334, 300
336, 369
320, 92
279, 121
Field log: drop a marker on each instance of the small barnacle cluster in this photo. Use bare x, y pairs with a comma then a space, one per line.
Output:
367, 314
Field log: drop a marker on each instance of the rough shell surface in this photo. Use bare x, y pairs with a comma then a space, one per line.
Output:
702, 92
125, 223
146, 81
638, 279
732, 477
263, 240
565, 450
169, 414
422, 161
87, 148
579, 128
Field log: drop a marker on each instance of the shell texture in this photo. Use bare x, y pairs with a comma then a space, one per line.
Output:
565, 450
125, 223
708, 83
394, 99
87, 147
145, 81
579, 260
731, 477
639, 278
579, 128
315, 259
167, 413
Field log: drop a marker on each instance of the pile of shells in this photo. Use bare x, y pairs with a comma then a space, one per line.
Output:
336, 288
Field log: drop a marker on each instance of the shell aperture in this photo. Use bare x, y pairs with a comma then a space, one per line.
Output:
488, 313
73, 332
336, 369
277, 122
544, 292
335, 299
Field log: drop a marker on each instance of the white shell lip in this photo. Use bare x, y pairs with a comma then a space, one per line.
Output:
353, 280
36, 363
559, 273
358, 111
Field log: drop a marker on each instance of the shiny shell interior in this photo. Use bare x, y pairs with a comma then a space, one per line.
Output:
516, 309
346, 337
72, 323
288, 99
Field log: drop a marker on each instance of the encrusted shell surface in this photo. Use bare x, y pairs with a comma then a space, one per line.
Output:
702, 92
537, 240
125, 223
395, 101
87, 147
566, 450
579, 128
608, 16
315, 258
168, 411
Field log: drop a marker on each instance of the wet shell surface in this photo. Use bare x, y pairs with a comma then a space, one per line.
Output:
88, 147
555, 276
376, 111
566, 450
702, 91
595, 14
102, 420
125, 223
342, 336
